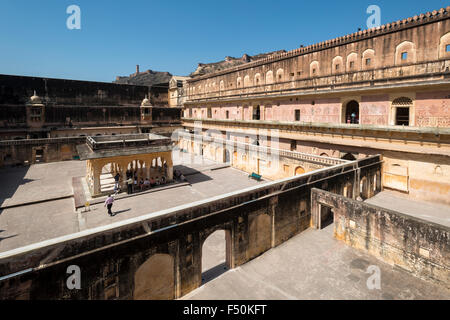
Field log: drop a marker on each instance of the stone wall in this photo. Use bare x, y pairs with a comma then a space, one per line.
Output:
17, 90
416, 160
62, 144
428, 108
321, 83
158, 256
27, 152
418, 246
340, 62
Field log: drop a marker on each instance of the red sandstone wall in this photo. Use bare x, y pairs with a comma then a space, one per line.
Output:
374, 110
432, 109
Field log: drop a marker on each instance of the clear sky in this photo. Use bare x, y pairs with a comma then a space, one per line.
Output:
171, 35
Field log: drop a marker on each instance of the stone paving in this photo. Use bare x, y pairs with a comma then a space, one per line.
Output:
312, 265
39, 182
27, 224
204, 185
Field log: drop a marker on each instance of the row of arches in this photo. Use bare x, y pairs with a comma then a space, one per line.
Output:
405, 53
101, 173
152, 170
155, 278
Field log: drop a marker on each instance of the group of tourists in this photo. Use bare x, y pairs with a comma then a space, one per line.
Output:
136, 185
133, 185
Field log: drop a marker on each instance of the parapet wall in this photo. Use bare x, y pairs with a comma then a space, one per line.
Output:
418, 246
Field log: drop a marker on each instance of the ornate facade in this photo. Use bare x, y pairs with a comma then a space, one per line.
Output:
383, 90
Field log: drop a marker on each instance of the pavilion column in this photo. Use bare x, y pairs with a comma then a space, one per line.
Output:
96, 178
152, 169
148, 165
141, 169
169, 163
89, 175
123, 175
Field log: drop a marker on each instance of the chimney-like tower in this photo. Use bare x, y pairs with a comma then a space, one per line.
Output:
137, 69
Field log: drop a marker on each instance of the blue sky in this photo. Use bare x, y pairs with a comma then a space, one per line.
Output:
171, 35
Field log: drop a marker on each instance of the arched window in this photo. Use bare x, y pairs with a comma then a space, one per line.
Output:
368, 59
269, 77
280, 75
444, 46
257, 79
247, 82
337, 65
299, 171
352, 62
314, 69
239, 82
222, 85
405, 52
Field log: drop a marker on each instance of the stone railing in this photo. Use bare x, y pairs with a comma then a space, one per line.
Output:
23, 142
235, 145
126, 141
431, 70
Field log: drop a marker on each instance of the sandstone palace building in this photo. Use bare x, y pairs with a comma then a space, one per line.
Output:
384, 91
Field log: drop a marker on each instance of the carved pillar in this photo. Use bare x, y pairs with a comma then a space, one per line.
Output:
96, 178
123, 174
169, 163
149, 168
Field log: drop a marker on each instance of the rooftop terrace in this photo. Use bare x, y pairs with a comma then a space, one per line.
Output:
122, 145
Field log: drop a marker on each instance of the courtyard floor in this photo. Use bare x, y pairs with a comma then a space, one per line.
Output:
312, 265
430, 211
27, 224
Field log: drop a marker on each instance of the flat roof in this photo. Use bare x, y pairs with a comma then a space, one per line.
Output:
99, 147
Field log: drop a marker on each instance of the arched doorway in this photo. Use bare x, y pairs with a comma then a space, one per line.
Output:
107, 177
364, 188
349, 156
216, 255
257, 113
299, 171
351, 112
227, 156
219, 155
154, 280
348, 190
